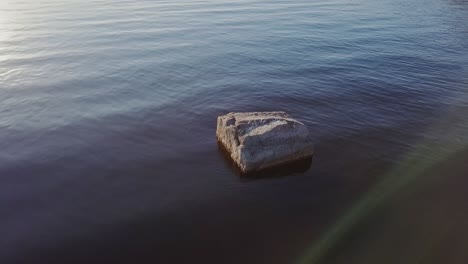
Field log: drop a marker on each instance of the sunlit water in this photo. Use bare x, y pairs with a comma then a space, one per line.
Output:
107, 123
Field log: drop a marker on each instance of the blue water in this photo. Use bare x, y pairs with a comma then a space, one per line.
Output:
107, 123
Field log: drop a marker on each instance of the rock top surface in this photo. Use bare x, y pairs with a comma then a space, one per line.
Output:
260, 140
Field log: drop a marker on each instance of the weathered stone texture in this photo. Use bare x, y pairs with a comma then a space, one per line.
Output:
259, 140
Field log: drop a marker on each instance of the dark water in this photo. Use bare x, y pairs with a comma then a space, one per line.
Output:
107, 124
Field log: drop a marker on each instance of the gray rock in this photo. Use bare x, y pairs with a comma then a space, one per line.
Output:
259, 140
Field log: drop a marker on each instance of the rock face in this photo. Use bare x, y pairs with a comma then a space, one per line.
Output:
259, 140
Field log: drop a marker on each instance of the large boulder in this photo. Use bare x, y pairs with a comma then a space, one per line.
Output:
260, 140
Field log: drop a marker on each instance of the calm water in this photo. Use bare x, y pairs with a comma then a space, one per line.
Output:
107, 131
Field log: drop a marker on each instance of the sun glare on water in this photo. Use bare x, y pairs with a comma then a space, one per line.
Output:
6, 19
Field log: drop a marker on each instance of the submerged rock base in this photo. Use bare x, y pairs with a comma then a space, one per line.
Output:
260, 140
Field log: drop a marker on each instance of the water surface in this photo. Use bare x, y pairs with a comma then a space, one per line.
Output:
107, 131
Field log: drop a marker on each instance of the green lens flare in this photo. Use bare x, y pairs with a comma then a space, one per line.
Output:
413, 165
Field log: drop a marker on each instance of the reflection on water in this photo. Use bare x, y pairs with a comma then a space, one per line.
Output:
107, 131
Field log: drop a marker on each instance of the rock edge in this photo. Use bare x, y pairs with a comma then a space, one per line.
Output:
261, 140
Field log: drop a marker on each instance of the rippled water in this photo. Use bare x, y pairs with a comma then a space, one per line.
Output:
107, 123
